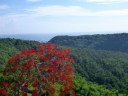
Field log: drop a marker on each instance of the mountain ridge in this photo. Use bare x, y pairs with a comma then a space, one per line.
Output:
109, 42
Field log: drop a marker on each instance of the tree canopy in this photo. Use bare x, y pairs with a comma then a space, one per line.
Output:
45, 71
109, 42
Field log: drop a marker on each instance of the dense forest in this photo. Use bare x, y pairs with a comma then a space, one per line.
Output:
110, 42
100, 58
103, 67
106, 69
10, 47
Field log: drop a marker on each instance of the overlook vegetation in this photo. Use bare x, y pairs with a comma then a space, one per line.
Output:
10, 47
100, 58
106, 69
38, 72
103, 67
110, 42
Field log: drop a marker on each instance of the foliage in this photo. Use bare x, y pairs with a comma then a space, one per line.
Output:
110, 42
85, 88
46, 71
103, 67
10, 47
107, 68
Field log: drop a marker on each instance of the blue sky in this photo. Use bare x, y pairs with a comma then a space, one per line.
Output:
63, 16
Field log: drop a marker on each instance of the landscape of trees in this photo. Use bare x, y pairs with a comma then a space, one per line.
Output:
109, 42
109, 69
97, 72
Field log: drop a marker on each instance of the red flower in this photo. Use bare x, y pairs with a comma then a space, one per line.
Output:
31, 61
4, 92
49, 70
5, 84
56, 46
53, 90
73, 93
34, 92
35, 84
46, 66
28, 66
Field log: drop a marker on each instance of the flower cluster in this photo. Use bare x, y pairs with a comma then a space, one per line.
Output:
38, 72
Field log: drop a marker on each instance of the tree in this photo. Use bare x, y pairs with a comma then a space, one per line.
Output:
46, 71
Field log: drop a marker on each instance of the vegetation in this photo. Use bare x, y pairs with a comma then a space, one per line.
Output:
103, 67
102, 60
110, 42
10, 47
85, 88
82, 87
106, 68
39, 72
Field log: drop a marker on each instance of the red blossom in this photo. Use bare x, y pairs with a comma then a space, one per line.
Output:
3, 92
45, 66
5, 84
35, 84
53, 90
73, 93
34, 92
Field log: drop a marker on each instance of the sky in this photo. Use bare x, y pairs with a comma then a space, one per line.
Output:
63, 16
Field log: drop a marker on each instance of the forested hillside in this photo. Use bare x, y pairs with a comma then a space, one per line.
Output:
10, 47
106, 68
110, 42
103, 67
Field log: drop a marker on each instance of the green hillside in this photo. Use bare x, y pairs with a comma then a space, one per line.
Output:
103, 67
10, 47
106, 68
83, 87
111, 42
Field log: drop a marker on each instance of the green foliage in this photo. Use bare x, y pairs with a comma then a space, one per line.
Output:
10, 47
106, 68
103, 67
85, 88
111, 42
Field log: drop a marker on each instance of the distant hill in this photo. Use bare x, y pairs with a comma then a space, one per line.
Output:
36, 37
110, 42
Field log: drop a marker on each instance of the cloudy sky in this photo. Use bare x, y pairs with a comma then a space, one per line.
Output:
63, 16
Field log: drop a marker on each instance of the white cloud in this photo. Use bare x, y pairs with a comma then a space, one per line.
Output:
59, 11
73, 11
34, 0
27, 23
4, 7
12, 20
105, 1
112, 13
102, 0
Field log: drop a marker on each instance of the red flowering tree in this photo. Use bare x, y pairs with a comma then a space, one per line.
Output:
42, 72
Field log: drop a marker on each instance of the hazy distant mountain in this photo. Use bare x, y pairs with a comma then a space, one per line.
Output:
36, 37
111, 42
